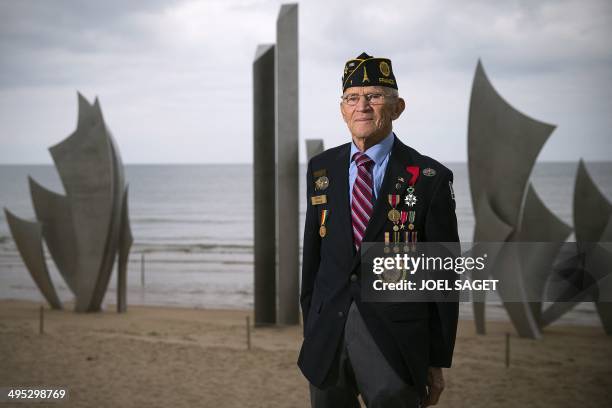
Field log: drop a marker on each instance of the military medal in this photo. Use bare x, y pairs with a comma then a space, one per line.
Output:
386, 250
321, 183
410, 237
403, 218
414, 174
398, 184
323, 228
410, 198
411, 215
393, 214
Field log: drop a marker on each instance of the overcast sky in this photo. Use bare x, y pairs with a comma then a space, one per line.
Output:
174, 78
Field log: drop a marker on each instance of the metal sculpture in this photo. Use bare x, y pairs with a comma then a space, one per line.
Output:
85, 229
503, 145
593, 229
28, 238
539, 224
502, 138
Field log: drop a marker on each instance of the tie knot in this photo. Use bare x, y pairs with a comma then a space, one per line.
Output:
362, 159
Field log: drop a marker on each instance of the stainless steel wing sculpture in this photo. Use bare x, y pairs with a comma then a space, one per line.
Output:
593, 273
503, 145
86, 228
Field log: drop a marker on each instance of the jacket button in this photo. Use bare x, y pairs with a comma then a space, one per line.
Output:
340, 314
353, 278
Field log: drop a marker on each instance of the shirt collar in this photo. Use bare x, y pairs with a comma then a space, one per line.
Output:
379, 151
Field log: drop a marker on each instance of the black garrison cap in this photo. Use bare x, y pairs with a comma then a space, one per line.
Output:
366, 70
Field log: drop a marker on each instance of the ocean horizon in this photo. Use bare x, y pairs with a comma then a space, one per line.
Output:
193, 226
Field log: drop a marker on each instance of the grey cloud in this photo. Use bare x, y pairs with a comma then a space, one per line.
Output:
72, 25
515, 37
59, 41
166, 68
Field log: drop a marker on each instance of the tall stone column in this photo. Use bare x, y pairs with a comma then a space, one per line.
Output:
287, 170
264, 236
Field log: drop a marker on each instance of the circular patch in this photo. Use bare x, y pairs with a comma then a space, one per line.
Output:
384, 68
429, 172
321, 183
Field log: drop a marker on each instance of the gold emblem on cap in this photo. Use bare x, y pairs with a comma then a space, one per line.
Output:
384, 68
365, 75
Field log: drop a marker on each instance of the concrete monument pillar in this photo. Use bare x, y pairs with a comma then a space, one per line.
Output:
287, 158
264, 236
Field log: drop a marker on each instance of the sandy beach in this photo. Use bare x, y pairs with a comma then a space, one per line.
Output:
173, 357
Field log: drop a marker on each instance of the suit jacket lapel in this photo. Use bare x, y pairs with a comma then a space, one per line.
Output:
339, 174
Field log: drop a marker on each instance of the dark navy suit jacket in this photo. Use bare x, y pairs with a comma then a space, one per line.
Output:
412, 336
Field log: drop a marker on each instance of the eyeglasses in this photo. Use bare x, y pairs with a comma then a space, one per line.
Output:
371, 98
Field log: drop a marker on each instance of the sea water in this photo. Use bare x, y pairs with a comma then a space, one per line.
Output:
193, 231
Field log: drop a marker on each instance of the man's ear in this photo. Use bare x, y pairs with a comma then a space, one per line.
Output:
398, 109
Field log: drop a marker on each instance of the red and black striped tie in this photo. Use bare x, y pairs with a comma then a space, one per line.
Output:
361, 205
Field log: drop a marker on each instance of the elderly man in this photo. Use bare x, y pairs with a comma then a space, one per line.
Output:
391, 354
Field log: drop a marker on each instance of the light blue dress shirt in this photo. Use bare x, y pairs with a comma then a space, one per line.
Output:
380, 153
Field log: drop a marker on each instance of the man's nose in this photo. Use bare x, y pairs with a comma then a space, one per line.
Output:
363, 104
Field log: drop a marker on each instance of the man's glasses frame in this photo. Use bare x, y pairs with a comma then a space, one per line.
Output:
374, 98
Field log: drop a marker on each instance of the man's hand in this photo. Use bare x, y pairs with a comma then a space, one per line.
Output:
435, 385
